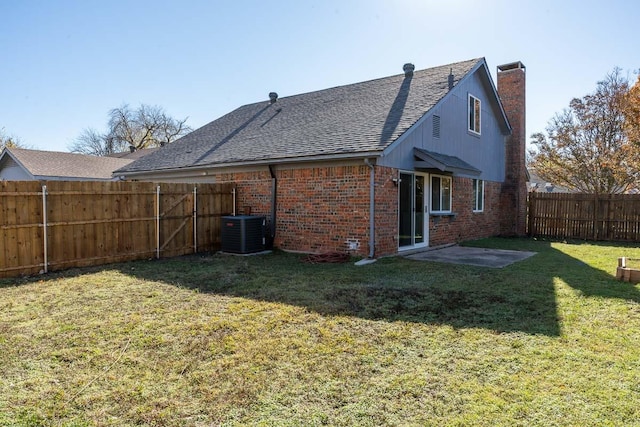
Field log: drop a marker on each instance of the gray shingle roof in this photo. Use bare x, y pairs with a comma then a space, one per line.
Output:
357, 118
67, 165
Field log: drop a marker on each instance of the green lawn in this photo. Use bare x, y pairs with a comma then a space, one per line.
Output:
268, 340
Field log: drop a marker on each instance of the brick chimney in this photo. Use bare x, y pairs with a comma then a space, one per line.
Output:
513, 202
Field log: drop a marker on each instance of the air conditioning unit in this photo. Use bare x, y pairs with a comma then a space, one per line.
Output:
243, 234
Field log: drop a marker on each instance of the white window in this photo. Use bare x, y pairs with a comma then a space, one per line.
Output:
478, 195
440, 194
474, 114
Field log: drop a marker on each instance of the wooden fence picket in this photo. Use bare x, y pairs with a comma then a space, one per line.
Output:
580, 216
94, 223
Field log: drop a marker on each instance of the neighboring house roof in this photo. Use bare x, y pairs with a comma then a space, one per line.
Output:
58, 165
133, 155
536, 183
347, 121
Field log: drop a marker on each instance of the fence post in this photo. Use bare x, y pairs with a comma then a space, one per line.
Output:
531, 212
44, 228
195, 219
158, 222
595, 216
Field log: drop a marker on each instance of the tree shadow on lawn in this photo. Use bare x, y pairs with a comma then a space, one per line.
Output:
590, 281
517, 298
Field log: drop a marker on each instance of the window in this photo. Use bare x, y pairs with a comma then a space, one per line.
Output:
474, 114
440, 194
478, 195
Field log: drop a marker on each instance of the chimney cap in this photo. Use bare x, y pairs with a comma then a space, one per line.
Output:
273, 97
511, 66
408, 69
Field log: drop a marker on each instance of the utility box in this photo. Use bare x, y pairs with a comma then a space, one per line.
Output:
243, 234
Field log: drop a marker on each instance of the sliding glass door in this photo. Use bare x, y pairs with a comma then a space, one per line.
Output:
412, 227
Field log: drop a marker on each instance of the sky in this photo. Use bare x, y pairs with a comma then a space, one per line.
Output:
66, 63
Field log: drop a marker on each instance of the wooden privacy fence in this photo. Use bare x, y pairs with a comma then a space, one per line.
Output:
613, 217
64, 224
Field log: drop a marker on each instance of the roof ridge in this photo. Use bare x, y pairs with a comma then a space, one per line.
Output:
50, 151
474, 60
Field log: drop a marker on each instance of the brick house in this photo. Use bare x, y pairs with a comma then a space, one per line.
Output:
417, 159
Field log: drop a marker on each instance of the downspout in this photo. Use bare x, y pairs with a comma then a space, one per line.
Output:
274, 193
372, 221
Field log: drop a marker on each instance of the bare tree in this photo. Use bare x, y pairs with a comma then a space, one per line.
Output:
148, 126
586, 147
9, 140
91, 142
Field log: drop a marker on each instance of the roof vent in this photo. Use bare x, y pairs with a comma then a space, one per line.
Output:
450, 78
408, 69
273, 97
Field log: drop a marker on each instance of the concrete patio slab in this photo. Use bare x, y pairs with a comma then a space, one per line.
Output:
481, 257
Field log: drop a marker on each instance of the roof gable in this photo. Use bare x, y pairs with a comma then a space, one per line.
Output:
352, 120
53, 164
11, 168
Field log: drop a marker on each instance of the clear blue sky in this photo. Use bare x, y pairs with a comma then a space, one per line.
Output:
65, 64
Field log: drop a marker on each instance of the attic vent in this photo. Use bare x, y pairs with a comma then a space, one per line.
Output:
273, 97
436, 126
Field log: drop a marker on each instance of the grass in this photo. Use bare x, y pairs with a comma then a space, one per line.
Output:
271, 341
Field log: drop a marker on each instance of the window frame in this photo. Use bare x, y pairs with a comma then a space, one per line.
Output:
474, 110
440, 195
478, 195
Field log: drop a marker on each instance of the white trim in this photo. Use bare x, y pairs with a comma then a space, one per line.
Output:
475, 204
475, 98
441, 211
425, 211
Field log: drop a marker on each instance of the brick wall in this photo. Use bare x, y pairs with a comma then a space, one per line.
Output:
511, 89
319, 209
466, 224
386, 213
326, 208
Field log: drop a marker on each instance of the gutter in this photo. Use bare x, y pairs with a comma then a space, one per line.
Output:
286, 160
372, 220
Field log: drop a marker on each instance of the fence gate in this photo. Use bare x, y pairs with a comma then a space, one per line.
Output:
61, 224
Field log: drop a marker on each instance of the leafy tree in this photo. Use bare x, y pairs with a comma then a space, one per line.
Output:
632, 113
587, 147
9, 140
148, 126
